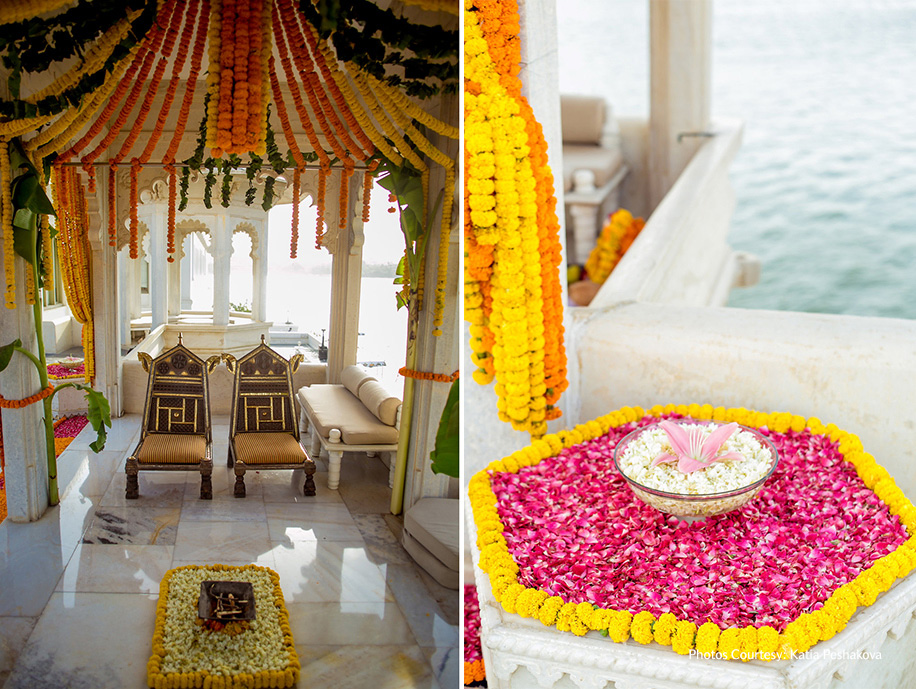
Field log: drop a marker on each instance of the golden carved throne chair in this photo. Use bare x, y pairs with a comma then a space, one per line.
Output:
263, 426
175, 435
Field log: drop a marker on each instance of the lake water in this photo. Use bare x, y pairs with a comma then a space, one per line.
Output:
826, 176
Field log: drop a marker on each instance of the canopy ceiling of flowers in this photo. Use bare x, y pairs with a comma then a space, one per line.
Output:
270, 85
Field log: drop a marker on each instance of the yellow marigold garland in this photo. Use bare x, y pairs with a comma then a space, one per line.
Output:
17, 10
763, 643
73, 227
6, 223
512, 297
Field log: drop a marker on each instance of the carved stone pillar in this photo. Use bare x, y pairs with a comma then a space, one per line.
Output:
173, 270
346, 277
158, 270
221, 248
259, 276
105, 301
26, 472
126, 286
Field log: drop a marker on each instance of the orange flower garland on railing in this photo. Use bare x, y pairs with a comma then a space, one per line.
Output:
422, 375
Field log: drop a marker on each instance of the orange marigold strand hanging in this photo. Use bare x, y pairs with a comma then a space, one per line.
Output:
304, 118
322, 189
368, 179
173, 195
156, 37
284, 117
134, 204
344, 193
196, 61
294, 236
181, 57
112, 205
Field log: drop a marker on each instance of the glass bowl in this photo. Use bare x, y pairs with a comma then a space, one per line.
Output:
696, 506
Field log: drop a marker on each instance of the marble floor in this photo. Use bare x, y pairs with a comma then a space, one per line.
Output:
78, 588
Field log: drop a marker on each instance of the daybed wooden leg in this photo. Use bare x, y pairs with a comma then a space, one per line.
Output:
206, 484
334, 458
132, 468
240, 479
308, 488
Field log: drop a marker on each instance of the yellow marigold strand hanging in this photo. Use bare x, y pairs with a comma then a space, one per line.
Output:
6, 221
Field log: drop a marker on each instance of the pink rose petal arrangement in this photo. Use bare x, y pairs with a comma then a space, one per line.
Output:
474, 671
564, 540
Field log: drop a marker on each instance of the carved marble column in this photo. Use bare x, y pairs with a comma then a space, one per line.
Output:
173, 270
346, 277
259, 277
105, 301
125, 292
26, 472
221, 248
680, 44
158, 269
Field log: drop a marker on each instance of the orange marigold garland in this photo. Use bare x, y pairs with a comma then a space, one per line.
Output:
238, 77
26, 401
173, 194
368, 180
134, 207
423, 375
512, 230
323, 173
294, 238
344, 193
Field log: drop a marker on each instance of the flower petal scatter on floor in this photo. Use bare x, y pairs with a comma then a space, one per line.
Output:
474, 672
187, 654
565, 541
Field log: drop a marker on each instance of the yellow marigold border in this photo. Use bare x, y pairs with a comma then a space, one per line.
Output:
763, 643
197, 680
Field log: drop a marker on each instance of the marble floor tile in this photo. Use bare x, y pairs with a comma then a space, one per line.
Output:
447, 664
262, 560
352, 667
286, 486
134, 526
14, 632
329, 571
349, 624
221, 541
223, 481
86, 473
59, 652
364, 484
123, 435
423, 613
311, 522
116, 568
381, 545
157, 489
224, 508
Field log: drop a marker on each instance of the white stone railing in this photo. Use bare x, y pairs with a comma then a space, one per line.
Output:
682, 255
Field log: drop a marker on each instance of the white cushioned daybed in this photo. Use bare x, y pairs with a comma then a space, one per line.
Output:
359, 415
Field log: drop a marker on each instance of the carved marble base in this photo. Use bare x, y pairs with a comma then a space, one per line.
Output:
524, 654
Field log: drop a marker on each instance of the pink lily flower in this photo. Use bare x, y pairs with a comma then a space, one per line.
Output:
693, 450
